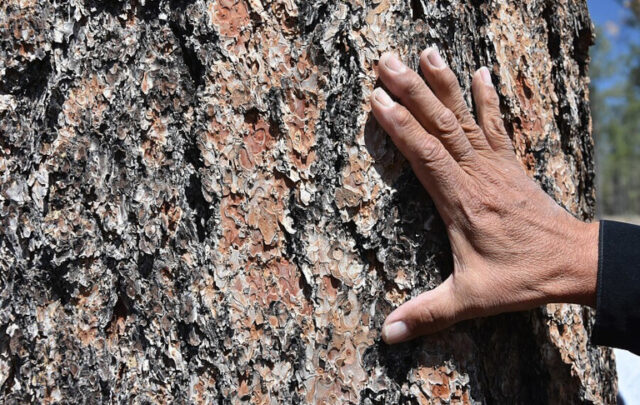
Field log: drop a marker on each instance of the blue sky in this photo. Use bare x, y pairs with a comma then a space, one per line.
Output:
605, 10
609, 15
619, 38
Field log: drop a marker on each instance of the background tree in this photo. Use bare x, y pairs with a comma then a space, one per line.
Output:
197, 207
634, 6
615, 93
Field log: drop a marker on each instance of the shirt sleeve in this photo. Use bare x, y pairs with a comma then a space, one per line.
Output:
618, 290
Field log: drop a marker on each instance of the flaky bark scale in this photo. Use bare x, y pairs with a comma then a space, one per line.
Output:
197, 204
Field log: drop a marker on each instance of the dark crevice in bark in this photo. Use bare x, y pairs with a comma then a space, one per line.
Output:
417, 9
371, 397
532, 378
192, 154
145, 264
581, 44
277, 126
199, 205
55, 273
307, 289
184, 331
312, 14
189, 55
193, 157
112, 7
121, 310
553, 36
294, 247
28, 81
398, 360
411, 197
149, 10
180, 5
53, 109
563, 114
13, 375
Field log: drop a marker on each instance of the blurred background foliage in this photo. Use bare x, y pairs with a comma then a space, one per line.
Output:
615, 107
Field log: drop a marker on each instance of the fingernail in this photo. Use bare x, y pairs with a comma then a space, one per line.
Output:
382, 97
486, 76
434, 58
393, 63
395, 332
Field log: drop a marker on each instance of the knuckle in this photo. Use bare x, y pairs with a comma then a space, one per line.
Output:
475, 209
446, 120
491, 98
431, 151
403, 118
451, 82
413, 86
495, 124
484, 211
477, 219
467, 155
424, 318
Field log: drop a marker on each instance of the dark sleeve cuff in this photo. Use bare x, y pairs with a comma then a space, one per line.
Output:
618, 290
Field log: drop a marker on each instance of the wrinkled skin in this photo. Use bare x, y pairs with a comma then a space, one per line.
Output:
513, 247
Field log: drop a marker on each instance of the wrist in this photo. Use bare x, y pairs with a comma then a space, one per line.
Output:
578, 270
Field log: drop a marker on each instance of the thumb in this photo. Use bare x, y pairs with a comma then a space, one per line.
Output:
427, 313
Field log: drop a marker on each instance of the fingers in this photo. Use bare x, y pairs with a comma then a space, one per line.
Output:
414, 93
489, 115
427, 313
431, 162
445, 86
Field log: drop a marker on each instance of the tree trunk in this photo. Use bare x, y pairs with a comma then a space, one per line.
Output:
197, 205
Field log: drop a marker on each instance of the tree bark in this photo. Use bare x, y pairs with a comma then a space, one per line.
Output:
197, 205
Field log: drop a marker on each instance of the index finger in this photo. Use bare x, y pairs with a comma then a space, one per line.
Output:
433, 165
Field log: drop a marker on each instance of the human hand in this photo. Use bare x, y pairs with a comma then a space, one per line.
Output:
514, 248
